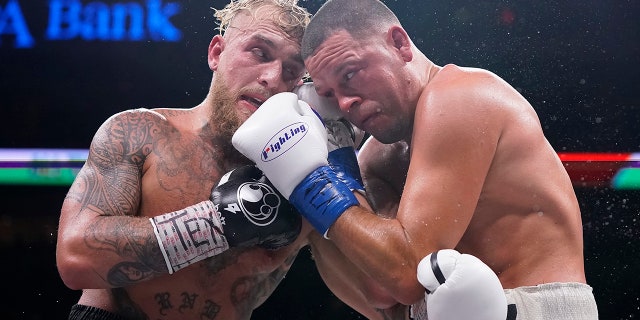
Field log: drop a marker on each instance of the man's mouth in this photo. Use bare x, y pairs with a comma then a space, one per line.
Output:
367, 118
252, 100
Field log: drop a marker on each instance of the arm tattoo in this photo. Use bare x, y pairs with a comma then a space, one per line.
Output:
110, 184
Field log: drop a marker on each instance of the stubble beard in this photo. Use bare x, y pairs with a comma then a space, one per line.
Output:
225, 120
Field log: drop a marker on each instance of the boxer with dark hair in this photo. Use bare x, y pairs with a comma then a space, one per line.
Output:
458, 160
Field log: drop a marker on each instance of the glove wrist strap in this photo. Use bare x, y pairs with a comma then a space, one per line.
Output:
189, 235
322, 197
345, 163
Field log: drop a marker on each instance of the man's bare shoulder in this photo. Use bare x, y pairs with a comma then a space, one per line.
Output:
452, 76
172, 112
154, 114
145, 120
471, 89
131, 124
134, 115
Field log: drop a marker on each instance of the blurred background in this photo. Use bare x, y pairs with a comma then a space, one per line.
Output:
63, 72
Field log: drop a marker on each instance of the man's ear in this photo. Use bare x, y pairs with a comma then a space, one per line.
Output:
216, 46
400, 40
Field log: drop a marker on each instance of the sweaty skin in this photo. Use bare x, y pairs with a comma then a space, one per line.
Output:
458, 160
148, 162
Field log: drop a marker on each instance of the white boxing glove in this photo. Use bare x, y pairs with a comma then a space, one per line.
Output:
330, 112
288, 142
322, 105
342, 137
286, 129
460, 287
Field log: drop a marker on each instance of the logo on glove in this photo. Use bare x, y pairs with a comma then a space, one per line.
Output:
284, 140
259, 202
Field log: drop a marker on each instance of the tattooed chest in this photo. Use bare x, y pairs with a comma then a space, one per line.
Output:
207, 291
186, 171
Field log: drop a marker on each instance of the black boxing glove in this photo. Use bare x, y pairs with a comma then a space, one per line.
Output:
244, 209
253, 212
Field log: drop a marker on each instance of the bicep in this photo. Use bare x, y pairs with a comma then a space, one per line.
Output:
106, 186
109, 183
452, 150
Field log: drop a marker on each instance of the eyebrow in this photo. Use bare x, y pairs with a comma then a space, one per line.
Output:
265, 40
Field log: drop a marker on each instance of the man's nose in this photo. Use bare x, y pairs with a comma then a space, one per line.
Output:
347, 102
271, 78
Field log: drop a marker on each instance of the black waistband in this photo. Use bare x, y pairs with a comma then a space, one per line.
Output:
82, 312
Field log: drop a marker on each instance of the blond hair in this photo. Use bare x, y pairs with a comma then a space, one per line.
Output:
291, 18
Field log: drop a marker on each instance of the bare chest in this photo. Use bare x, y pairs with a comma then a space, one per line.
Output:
178, 174
228, 286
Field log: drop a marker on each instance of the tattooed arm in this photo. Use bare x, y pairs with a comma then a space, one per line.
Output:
102, 240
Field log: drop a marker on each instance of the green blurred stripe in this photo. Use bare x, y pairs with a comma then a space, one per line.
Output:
627, 179
38, 176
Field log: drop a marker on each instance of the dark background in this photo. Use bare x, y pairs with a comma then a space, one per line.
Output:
577, 62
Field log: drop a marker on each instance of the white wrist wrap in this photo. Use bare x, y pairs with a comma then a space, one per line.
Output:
418, 310
189, 235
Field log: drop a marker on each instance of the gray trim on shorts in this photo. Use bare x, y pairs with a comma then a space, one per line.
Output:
567, 301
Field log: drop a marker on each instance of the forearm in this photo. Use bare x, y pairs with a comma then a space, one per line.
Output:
109, 251
347, 281
380, 248
97, 250
106, 251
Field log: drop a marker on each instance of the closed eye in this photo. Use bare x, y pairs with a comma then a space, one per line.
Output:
349, 75
326, 94
259, 53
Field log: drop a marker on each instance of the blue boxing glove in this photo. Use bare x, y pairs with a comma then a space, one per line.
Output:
322, 197
288, 142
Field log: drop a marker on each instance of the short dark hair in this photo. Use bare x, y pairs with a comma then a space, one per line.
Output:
360, 18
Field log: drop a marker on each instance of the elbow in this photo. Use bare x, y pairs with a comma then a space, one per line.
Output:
70, 271
377, 296
406, 289
69, 277
73, 268
412, 296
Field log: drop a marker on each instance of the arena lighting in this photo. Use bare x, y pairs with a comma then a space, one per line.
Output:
141, 21
58, 167
40, 167
589, 169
